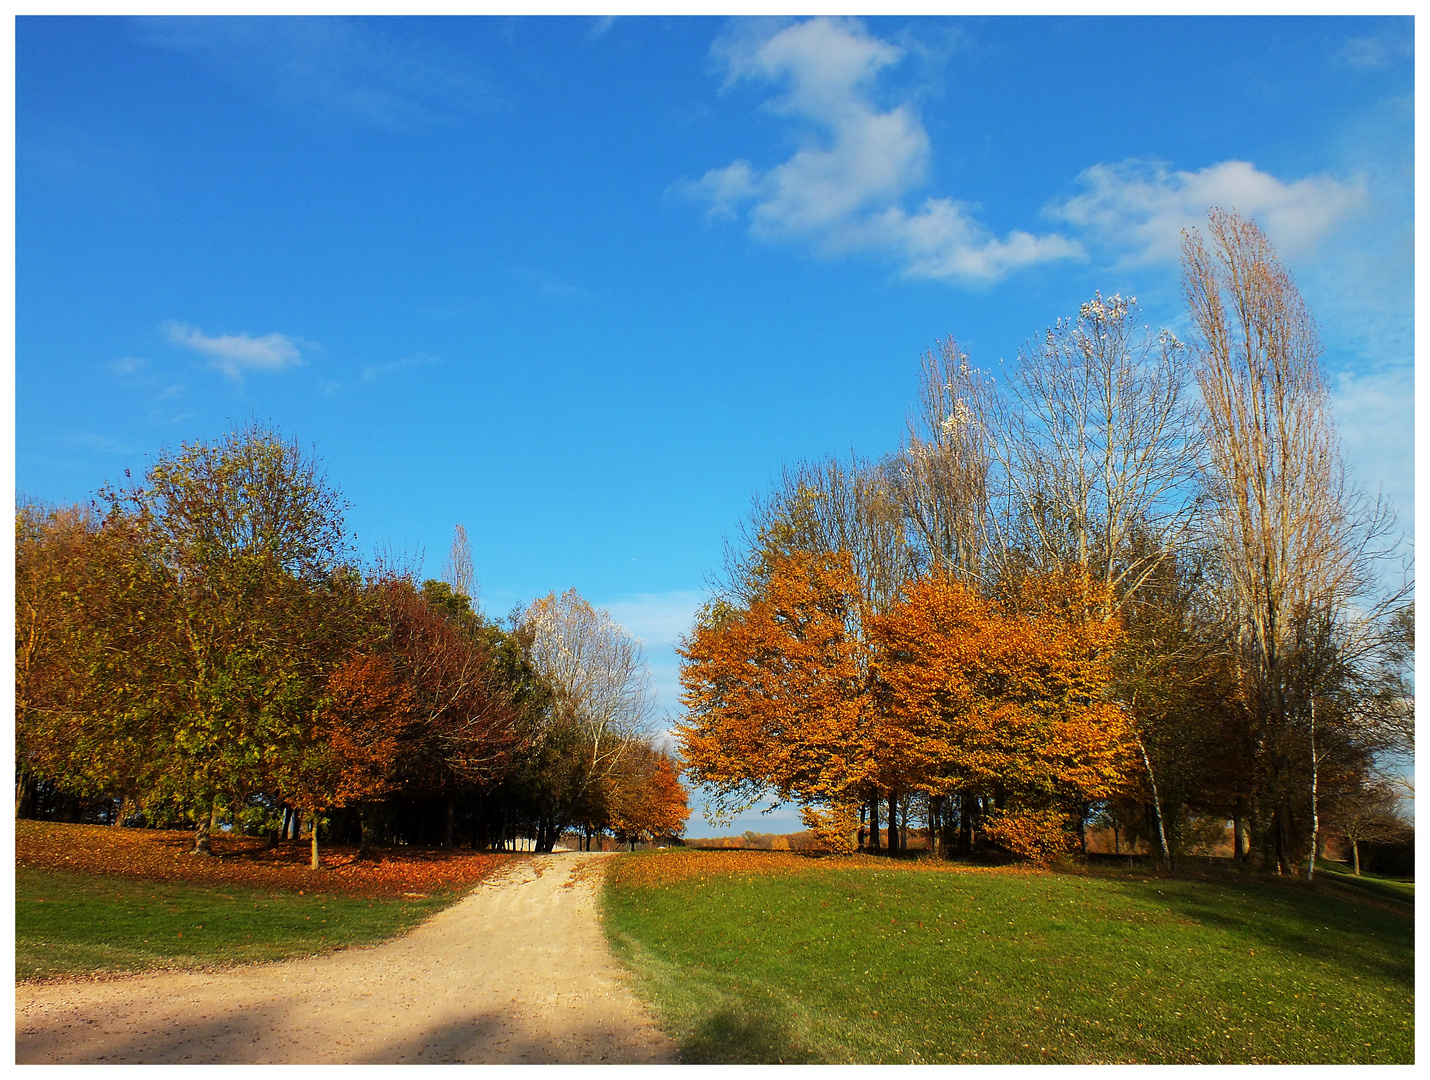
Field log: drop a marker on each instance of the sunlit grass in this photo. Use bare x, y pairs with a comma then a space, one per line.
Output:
884, 963
68, 924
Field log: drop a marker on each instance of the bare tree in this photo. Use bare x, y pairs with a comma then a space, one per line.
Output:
1296, 539
1099, 444
602, 702
457, 571
941, 479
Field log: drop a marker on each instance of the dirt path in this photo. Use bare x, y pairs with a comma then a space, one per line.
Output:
516, 972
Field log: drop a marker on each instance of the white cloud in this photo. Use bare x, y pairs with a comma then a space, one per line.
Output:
943, 240
846, 188
1139, 208
233, 354
843, 189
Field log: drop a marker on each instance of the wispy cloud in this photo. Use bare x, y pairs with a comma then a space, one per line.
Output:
545, 285
234, 354
373, 372
600, 26
142, 373
659, 620
132, 366
328, 67
91, 440
1139, 208
1375, 414
845, 188
1378, 51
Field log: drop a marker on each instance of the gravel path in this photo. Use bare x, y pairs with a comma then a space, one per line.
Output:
516, 972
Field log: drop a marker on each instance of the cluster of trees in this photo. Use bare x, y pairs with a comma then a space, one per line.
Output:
1131, 586
200, 647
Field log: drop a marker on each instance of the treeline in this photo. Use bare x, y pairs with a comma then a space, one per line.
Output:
201, 648
1131, 586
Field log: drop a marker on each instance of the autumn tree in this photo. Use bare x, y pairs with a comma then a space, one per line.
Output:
1007, 700
834, 510
644, 799
89, 623
775, 693
347, 748
241, 541
462, 735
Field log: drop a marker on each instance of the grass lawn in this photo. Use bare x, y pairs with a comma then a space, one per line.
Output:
761, 957
70, 924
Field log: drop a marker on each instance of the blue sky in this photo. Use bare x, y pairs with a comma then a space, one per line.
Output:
584, 285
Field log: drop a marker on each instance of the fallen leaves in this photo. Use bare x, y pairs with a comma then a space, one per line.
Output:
163, 855
659, 869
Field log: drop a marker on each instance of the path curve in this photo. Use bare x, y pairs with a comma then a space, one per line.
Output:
516, 972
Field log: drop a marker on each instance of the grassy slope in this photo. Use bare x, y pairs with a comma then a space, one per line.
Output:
69, 923
884, 963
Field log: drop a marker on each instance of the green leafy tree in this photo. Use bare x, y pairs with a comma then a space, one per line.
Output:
241, 546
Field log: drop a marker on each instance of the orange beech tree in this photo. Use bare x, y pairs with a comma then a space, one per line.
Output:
776, 695
1009, 700
644, 799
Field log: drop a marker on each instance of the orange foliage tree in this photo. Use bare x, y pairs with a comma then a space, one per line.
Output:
776, 694
1010, 700
645, 799
348, 751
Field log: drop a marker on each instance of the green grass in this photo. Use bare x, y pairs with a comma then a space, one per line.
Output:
903, 965
69, 924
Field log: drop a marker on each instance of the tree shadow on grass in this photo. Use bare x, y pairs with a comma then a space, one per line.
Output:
1366, 939
736, 1036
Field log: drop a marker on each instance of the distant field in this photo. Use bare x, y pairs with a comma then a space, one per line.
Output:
761, 957
89, 899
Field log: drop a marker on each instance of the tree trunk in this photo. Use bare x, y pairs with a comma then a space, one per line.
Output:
202, 845
451, 839
1355, 854
1238, 833
25, 794
874, 823
894, 844
1315, 816
1156, 806
314, 863
118, 818
366, 813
